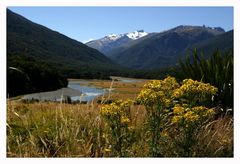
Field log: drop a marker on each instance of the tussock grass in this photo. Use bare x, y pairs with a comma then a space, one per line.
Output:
51, 129
68, 130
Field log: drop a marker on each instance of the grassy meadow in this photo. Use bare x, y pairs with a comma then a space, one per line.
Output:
182, 106
131, 127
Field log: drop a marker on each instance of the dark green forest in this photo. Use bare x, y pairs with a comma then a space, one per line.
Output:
26, 75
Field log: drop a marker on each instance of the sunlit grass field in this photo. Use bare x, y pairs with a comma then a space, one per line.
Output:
120, 90
47, 129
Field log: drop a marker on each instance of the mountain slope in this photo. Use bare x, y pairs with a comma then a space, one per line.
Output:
223, 42
163, 49
70, 57
108, 43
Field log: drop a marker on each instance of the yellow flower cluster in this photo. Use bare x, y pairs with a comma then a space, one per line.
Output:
158, 91
167, 84
110, 110
203, 111
178, 109
190, 116
191, 87
183, 114
118, 109
124, 120
150, 97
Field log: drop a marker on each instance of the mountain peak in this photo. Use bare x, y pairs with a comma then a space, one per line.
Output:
220, 29
136, 34
185, 28
112, 41
112, 37
131, 35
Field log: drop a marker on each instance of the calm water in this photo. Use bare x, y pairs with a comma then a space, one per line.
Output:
77, 90
88, 93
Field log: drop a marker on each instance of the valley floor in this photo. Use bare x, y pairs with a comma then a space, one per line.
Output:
51, 129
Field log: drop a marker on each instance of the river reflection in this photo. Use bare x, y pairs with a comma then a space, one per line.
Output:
88, 93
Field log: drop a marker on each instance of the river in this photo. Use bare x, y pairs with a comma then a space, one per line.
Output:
78, 90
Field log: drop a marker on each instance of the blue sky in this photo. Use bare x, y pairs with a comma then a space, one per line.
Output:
84, 23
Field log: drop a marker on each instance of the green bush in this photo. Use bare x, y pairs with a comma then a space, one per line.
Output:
217, 70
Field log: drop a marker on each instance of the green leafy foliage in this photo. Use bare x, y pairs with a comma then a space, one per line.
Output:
217, 70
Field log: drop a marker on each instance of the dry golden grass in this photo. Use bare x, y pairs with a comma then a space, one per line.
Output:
216, 138
45, 129
77, 130
54, 129
120, 90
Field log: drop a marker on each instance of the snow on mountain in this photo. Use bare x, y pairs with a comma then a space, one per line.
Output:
112, 41
136, 34
132, 35
112, 37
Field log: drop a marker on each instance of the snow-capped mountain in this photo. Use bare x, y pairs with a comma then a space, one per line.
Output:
132, 35
113, 37
163, 49
137, 34
112, 41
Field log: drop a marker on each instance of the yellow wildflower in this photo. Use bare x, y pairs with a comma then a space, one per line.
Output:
191, 87
178, 109
125, 120
110, 110
191, 116
208, 113
158, 92
176, 119
118, 111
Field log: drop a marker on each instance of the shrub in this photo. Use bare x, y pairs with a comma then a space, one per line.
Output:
163, 98
217, 70
157, 98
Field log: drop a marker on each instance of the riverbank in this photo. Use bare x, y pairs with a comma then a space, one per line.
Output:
57, 95
83, 91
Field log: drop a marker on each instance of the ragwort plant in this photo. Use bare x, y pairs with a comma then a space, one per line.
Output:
191, 113
195, 93
185, 104
117, 134
156, 96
